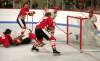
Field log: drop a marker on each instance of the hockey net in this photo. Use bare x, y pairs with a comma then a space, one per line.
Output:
83, 35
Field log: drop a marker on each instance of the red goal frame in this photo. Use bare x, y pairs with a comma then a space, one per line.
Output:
80, 33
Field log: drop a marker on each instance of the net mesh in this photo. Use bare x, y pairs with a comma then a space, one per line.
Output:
90, 39
60, 34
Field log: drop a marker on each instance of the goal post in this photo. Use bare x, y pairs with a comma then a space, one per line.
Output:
83, 35
80, 32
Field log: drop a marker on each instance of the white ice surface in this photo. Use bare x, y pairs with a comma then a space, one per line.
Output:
24, 53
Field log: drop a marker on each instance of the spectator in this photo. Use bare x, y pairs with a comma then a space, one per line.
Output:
69, 5
16, 4
1, 1
7, 4
79, 4
34, 4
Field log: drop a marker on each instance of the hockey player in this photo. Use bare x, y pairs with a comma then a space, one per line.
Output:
6, 38
89, 30
47, 22
45, 10
92, 17
53, 11
56, 8
25, 38
53, 15
22, 14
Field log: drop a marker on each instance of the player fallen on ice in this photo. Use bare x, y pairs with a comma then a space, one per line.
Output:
25, 38
6, 39
44, 30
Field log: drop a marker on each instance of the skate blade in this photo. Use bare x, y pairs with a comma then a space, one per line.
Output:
56, 54
35, 50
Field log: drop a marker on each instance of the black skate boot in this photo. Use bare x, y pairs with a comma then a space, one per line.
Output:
55, 52
34, 48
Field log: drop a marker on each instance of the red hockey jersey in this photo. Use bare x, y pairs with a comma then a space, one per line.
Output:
46, 22
6, 40
23, 11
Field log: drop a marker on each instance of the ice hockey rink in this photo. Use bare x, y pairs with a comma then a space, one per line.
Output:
24, 53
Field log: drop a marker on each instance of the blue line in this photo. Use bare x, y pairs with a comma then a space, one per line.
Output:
8, 22
13, 22
71, 25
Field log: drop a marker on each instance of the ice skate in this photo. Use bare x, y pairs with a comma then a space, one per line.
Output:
34, 49
56, 53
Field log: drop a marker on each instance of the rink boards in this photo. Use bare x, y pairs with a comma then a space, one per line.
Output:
10, 16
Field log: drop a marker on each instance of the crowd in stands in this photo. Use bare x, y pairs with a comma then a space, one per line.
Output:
63, 4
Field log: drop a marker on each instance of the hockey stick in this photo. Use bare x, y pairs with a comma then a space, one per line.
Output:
31, 14
32, 23
62, 30
27, 18
59, 27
